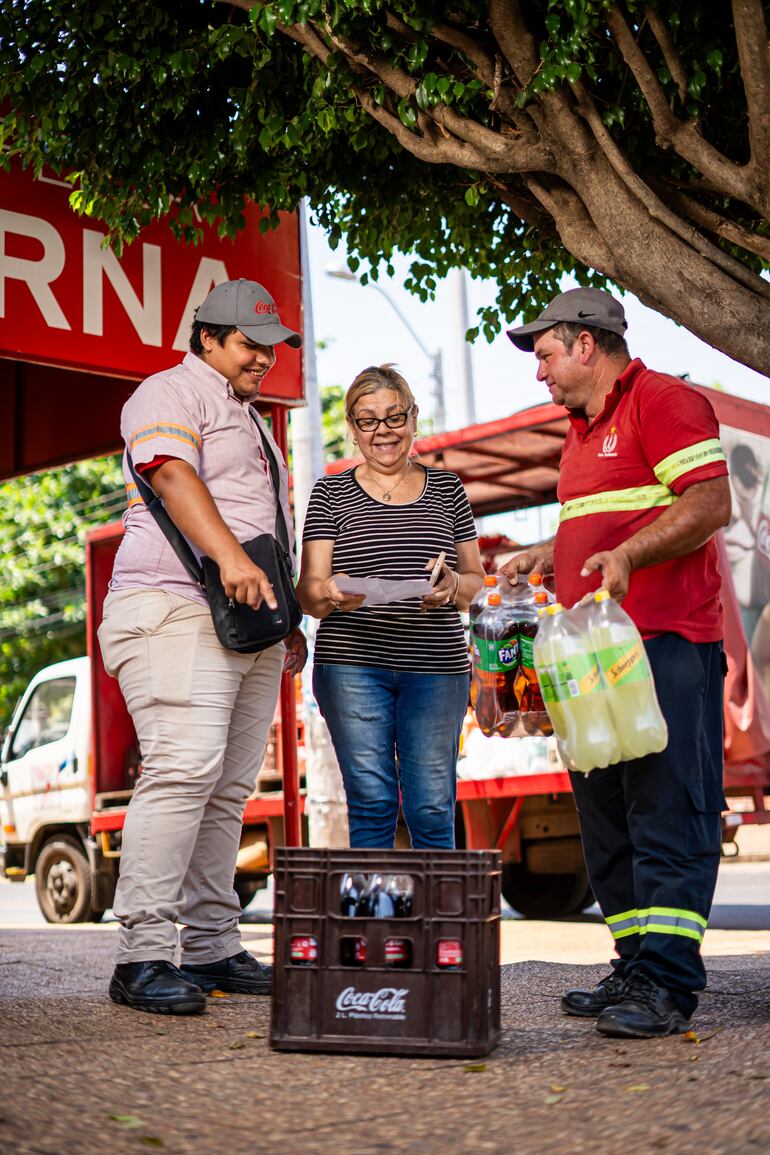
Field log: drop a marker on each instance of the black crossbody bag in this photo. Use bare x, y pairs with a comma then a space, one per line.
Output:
238, 626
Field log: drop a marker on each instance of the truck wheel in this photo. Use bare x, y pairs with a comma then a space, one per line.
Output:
545, 895
63, 882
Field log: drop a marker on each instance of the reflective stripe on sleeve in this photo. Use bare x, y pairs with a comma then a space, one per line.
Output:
132, 496
684, 461
618, 501
175, 432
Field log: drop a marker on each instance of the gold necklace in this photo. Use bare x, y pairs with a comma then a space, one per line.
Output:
387, 494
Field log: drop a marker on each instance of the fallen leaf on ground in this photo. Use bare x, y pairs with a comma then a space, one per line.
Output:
151, 1141
639, 1087
549, 1100
127, 1121
237, 1045
473, 1068
218, 995
691, 1037
256, 1035
555, 1087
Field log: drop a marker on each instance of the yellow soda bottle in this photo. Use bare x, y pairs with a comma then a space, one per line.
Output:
574, 695
625, 667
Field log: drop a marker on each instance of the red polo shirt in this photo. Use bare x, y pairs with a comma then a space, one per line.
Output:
654, 438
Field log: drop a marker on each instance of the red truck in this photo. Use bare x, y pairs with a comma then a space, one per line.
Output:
70, 757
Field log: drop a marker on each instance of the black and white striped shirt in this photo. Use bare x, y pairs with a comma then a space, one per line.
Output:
391, 541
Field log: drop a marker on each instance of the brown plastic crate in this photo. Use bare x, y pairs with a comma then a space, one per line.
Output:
422, 1009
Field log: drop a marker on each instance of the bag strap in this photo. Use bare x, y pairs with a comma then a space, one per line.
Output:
179, 542
176, 539
281, 534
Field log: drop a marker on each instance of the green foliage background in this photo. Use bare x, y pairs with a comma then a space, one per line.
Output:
43, 520
193, 105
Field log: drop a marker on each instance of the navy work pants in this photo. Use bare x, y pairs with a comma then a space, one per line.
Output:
651, 827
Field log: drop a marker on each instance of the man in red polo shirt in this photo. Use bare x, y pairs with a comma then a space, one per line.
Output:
643, 488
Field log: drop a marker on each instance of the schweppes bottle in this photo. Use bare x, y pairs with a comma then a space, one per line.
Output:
633, 703
574, 693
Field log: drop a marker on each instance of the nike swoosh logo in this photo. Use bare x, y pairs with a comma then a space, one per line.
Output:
581, 314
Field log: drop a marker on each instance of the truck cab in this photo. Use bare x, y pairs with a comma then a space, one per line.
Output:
45, 791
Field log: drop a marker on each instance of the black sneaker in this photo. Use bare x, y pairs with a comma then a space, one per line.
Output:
589, 1004
156, 986
240, 974
645, 1011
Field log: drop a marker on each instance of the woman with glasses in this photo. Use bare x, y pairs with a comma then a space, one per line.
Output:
391, 680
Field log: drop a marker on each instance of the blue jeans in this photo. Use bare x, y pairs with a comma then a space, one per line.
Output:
391, 729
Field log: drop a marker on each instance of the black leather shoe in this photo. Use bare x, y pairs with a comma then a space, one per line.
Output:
645, 1011
589, 1004
241, 974
156, 986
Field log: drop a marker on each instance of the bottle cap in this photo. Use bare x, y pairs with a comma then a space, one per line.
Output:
535, 579
601, 595
490, 580
494, 600
541, 598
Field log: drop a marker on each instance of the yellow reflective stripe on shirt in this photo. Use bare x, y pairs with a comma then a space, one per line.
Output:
677, 464
618, 501
132, 496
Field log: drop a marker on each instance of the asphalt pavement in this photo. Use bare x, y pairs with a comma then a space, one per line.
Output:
80, 1075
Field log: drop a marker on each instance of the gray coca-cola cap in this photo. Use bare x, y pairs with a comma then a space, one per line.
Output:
248, 306
590, 307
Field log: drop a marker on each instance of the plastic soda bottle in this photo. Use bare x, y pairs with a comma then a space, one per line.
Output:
534, 716
480, 598
495, 653
625, 667
574, 694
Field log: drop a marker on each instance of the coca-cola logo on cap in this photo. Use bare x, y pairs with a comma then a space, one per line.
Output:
266, 307
386, 1003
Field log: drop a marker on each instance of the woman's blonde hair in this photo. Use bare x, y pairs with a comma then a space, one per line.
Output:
373, 379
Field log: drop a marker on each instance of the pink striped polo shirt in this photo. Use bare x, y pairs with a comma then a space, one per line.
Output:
192, 413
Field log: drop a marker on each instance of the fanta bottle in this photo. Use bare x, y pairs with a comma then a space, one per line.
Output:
574, 695
534, 716
481, 597
625, 668
495, 655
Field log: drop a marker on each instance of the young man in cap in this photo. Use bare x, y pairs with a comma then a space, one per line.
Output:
201, 712
643, 488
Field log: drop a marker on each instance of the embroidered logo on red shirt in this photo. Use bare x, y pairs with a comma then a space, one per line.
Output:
610, 443
265, 307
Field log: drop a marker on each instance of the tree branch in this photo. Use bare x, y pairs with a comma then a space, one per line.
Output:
656, 208
720, 226
683, 137
576, 230
754, 56
668, 48
514, 38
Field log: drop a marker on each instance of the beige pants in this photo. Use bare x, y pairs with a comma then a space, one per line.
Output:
202, 715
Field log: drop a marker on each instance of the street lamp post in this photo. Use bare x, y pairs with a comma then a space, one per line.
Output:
437, 369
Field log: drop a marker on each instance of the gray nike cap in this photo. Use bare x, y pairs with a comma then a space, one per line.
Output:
249, 307
590, 307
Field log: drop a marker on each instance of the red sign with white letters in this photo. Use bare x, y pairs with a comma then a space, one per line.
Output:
65, 300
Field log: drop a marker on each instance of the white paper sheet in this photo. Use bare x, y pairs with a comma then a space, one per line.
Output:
381, 591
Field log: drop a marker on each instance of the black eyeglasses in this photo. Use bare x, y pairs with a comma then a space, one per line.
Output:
393, 421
